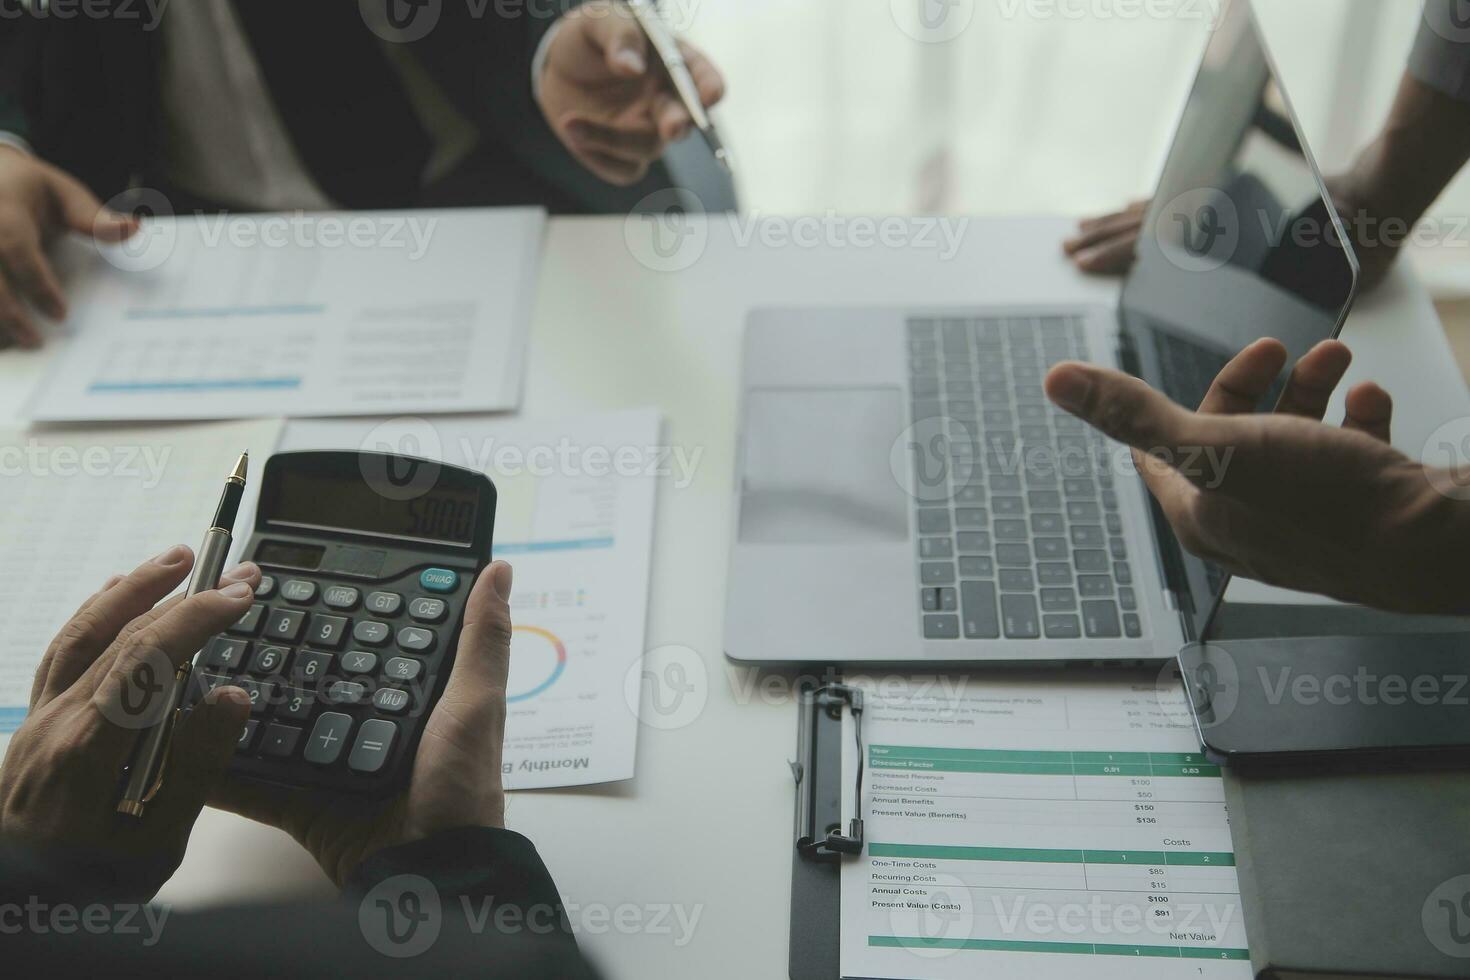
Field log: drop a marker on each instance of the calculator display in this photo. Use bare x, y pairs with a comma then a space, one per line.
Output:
314, 500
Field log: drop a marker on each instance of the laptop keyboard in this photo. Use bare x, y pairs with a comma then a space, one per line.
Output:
1019, 534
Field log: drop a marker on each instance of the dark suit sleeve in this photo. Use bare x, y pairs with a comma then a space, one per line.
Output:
474, 901
483, 64
20, 71
497, 873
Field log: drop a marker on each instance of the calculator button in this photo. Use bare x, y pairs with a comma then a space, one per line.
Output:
225, 653
415, 639
402, 669
247, 735
284, 624
298, 590
427, 610
266, 588
359, 662
343, 597
249, 624
280, 741
346, 692
371, 633
202, 683
384, 603
268, 660
259, 692
296, 704
439, 580
326, 631
324, 746
390, 700
374, 740
312, 667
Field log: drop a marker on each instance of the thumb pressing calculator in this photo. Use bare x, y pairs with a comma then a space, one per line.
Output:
367, 560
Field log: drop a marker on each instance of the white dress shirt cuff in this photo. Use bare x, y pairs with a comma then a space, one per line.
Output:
10, 139
538, 60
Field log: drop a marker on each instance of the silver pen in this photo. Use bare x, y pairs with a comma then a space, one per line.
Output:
667, 48
150, 754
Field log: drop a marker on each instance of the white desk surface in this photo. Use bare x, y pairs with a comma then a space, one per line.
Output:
707, 823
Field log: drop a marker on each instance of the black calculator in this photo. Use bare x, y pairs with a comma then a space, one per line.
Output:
367, 560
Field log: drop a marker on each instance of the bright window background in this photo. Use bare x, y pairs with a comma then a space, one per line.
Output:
1033, 106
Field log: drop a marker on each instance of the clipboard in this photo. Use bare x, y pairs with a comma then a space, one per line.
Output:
821, 843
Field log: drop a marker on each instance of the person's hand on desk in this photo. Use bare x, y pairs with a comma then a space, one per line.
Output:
37, 203
1290, 501
456, 778
607, 98
1108, 245
59, 785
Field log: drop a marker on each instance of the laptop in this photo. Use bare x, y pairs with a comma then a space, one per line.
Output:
906, 494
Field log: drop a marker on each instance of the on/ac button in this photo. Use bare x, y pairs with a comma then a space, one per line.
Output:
439, 579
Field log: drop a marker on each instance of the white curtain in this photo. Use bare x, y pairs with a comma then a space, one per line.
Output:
1058, 106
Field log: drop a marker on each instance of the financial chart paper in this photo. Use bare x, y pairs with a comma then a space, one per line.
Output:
1039, 829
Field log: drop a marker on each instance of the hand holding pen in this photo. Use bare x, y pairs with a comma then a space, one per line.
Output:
166, 682
93, 691
617, 88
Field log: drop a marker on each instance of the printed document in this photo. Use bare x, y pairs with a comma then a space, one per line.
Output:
263, 315
1048, 829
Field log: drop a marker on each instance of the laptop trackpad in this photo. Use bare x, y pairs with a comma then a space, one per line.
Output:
817, 467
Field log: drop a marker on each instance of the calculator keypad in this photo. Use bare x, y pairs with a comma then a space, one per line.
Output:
337, 674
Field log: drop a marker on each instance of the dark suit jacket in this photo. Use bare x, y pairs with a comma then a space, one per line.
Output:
83, 91
472, 902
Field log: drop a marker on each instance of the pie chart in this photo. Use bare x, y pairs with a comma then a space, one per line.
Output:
538, 657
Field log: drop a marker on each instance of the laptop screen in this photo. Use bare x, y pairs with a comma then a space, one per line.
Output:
1241, 242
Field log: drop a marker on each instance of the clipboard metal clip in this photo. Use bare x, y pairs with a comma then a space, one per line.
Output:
818, 774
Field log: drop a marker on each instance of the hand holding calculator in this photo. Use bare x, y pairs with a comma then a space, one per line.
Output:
367, 561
